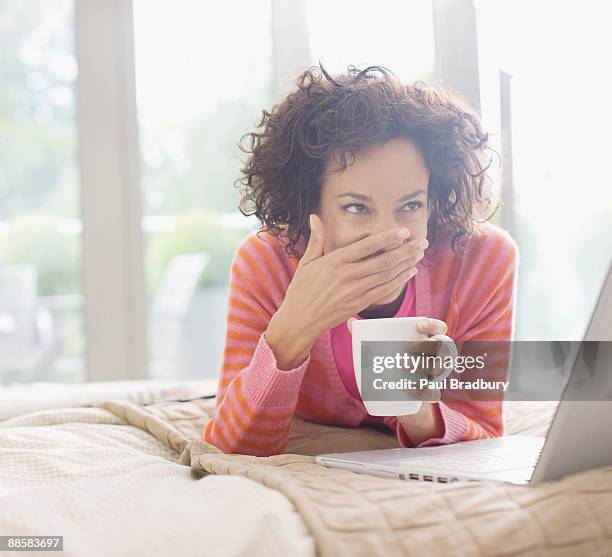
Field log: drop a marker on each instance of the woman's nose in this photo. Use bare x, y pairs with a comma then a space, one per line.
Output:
384, 223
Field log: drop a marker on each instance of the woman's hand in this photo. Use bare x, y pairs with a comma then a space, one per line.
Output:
328, 288
429, 327
427, 423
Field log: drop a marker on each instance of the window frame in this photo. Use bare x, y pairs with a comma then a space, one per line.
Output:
111, 205
111, 198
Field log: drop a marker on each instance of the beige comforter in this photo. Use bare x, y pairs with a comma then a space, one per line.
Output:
352, 515
113, 490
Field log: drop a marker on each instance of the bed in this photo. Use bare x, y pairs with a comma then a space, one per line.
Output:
130, 475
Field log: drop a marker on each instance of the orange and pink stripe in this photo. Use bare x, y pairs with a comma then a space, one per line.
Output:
473, 293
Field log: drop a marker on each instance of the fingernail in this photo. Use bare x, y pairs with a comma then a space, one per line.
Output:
423, 244
403, 233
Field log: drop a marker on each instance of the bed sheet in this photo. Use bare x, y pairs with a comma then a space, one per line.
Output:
113, 489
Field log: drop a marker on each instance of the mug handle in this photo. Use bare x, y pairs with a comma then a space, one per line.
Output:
451, 350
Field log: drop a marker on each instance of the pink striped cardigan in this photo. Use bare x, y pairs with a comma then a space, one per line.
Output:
473, 293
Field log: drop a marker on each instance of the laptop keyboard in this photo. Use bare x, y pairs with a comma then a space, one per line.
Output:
475, 460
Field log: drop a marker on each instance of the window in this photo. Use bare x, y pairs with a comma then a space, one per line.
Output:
78, 187
560, 85
204, 71
41, 317
397, 35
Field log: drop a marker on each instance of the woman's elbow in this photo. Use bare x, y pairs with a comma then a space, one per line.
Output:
242, 446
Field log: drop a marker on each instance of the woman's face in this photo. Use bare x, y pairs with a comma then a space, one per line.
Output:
385, 187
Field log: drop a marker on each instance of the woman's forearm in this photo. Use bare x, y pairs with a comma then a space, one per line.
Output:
426, 424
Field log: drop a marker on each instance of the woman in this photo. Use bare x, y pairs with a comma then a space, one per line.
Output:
374, 198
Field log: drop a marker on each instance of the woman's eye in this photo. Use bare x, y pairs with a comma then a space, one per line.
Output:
413, 205
361, 208
358, 208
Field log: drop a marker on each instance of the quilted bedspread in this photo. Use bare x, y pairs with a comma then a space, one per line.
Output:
352, 514
114, 490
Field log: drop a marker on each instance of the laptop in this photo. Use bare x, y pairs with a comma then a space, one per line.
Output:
513, 458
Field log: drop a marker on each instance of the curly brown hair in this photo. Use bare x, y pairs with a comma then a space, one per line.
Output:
332, 118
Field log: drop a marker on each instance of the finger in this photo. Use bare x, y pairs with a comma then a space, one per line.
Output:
437, 370
383, 290
423, 395
424, 346
349, 324
384, 282
431, 326
426, 394
409, 253
314, 249
431, 395
371, 244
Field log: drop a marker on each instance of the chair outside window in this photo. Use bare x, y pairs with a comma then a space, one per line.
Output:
169, 311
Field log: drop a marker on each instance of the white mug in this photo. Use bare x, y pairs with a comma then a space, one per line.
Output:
394, 329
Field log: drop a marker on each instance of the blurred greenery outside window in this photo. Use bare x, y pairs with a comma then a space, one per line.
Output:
198, 91
39, 183
193, 112
191, 116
